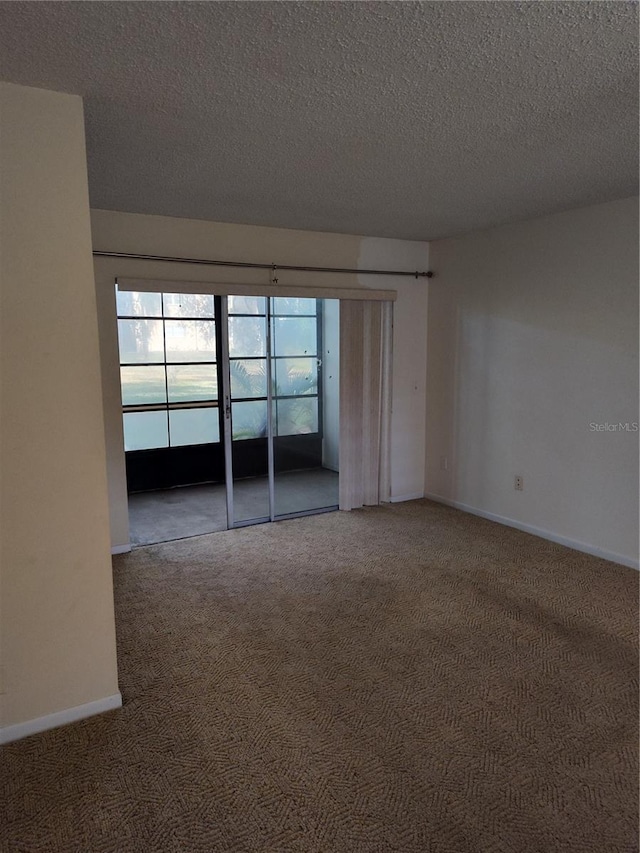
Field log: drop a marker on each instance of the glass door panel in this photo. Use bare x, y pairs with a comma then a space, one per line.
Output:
304, 405
247, 422
281, 403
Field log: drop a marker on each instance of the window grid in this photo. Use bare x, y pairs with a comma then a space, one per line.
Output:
306, 399
170, 359
309, 403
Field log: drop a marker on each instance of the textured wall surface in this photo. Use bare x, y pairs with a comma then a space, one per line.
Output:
532, 350
409, 120
58, 638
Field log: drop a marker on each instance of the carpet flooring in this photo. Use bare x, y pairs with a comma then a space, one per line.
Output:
402, 678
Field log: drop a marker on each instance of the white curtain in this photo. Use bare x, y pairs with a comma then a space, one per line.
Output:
365, 402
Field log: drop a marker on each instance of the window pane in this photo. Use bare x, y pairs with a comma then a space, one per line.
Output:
247, 337
140, 341
142, 384
194, 426
249, 420
296, 376
247, 305
248, 378
190, 340
143, 430
139, 304
290, 305
297, 417
295, 336
188, 305
190, 382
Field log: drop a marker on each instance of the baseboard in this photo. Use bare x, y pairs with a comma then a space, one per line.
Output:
60, 718
121, 549
538, 531
396, 499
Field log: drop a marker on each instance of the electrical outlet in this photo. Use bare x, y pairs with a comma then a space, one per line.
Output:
519, 484
444, 463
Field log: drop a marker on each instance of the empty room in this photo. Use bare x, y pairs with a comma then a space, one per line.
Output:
319, 427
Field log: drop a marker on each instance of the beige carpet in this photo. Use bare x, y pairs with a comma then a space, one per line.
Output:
406, 678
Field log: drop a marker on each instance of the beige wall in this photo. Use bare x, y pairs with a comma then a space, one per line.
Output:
331, 385
159, 235
58, 639
533, 337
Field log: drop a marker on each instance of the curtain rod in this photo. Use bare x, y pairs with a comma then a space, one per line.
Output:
273, 267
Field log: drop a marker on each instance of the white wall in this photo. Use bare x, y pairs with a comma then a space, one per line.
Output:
533, 337
160, 235
58, 637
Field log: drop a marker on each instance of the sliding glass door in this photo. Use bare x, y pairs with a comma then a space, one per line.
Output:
282, 407
233, 396
247, 410
301, 482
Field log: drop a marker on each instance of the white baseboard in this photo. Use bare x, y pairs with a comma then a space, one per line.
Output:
538, 531
121, 549
60, 718
396, 499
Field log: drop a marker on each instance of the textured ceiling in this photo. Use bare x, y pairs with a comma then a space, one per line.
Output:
411, 120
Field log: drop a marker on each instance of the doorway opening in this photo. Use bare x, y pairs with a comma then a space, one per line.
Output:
230, 410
